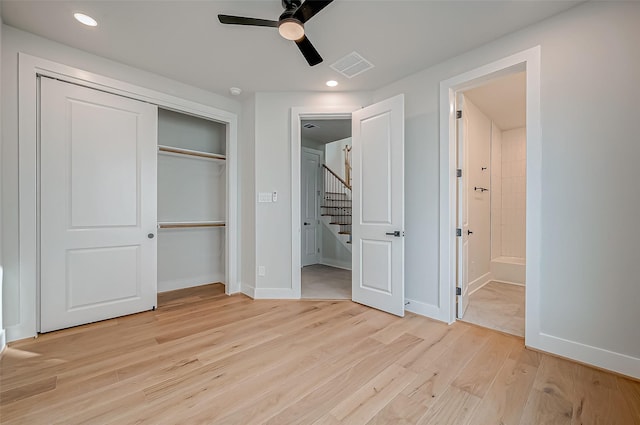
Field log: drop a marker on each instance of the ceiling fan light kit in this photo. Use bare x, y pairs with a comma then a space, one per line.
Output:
290, 24
291, 29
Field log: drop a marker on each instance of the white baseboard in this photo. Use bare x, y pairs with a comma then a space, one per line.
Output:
3, 340
335, 263
423, 309
275, 294
248, 290
172, 285
479, 282
598, 357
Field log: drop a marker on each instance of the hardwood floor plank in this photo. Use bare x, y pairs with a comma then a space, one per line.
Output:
508, 394
204, 357
370, 398
479, 373
317, 403
551, 400
454, 407
432, 380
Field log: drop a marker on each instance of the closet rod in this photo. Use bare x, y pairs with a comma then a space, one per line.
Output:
190, 224
191, 152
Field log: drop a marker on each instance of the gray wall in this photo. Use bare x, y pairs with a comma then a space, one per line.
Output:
590, 149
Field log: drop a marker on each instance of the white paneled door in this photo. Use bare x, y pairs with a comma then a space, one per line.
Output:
97, 205
378, 206
462, 282
311, 160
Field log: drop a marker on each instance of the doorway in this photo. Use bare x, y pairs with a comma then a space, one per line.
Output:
325, 195
378, 200
491, 122
529, 61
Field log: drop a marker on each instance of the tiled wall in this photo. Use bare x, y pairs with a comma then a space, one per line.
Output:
496, 191
513, 191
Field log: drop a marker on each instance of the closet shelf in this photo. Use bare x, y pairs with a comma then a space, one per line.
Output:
187, 224
188, 152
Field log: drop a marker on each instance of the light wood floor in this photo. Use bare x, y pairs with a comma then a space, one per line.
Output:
498, 306
324, 282
205, 358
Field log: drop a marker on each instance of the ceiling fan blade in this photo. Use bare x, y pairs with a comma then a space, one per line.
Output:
241, 20
309, 8
308, 51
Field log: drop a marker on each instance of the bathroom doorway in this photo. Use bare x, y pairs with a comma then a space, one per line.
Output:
491, 127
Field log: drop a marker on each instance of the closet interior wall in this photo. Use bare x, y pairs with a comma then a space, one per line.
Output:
191, 201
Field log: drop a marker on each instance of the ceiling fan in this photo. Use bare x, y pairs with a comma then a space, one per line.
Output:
290, 24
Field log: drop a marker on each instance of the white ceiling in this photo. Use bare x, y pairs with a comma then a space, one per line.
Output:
503, 100
326, 131
184, 41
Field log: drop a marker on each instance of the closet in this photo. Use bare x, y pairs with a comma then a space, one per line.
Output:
192, 201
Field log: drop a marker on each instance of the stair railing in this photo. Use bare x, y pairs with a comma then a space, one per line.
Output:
336, 199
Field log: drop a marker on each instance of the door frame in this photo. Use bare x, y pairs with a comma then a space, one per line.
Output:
297, 115
29, 67
318, 212
529, 61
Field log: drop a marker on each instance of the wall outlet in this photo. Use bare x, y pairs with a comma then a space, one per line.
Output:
262, 270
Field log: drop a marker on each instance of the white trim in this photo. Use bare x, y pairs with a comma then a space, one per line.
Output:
616, 362
297, 114
3, 340
335, 263
28, 68
174, 284
479, 282
275, 294
248, 290
528, 60
428, 310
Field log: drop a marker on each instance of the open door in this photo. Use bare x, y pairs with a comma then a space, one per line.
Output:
462, 281
378, 206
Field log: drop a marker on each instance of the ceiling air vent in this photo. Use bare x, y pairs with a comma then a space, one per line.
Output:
351, 65
309, 125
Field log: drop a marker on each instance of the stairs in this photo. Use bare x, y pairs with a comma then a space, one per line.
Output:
336, 215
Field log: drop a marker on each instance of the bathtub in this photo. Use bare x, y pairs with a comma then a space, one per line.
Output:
508, 269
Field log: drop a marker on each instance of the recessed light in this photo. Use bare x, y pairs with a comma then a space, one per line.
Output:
85, 19
332, 83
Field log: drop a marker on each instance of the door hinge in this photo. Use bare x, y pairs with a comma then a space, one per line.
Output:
458, 291
458, 232
318, 250
459, 172
458, 114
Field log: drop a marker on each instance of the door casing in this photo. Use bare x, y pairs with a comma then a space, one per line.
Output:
529, 61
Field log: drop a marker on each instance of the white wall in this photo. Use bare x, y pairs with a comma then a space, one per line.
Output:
496, 191
514, 183
479, 203
334, 156
273, 172
17, 309
589, 257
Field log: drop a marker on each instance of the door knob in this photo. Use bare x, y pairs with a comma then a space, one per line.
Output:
396, 234
469, 232
307, 224
150, 235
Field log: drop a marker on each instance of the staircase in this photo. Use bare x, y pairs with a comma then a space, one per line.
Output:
336, 206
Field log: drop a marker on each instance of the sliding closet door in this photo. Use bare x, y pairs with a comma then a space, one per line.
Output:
97, 205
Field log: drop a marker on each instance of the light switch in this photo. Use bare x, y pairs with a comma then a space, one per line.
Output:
265, 197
